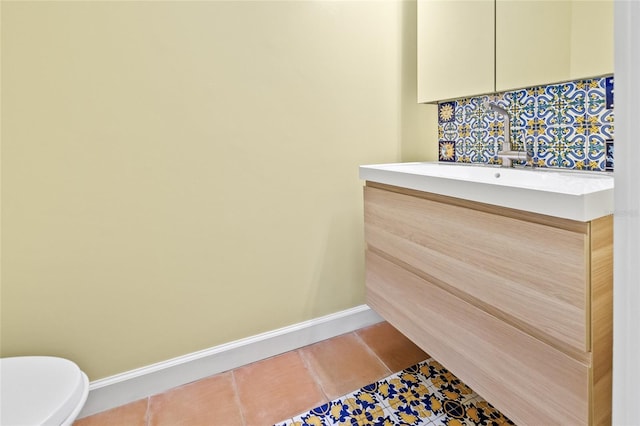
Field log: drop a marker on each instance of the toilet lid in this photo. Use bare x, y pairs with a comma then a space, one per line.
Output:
39, 390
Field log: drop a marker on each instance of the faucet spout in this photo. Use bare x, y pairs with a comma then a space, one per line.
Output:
506, 117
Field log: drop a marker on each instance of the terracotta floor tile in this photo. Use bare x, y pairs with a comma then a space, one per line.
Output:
391, 346
276, 389
343, 364
210, 401
134, 414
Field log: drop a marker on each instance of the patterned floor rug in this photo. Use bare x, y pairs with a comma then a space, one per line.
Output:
424, 394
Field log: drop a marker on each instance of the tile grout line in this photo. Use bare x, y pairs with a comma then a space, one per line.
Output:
237, 397
316, 378
147, 414
371, 351
313, 374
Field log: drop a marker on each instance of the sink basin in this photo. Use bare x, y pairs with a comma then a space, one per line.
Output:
568, 194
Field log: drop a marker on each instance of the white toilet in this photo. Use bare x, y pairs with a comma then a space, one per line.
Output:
41, 390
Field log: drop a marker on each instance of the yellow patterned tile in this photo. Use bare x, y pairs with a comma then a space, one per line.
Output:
407, 398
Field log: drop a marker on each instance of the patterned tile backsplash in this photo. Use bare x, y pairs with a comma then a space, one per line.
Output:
567, 125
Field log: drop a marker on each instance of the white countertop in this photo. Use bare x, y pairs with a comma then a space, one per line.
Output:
568, 194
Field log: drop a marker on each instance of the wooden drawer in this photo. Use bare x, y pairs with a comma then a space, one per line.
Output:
528, 380
501, 264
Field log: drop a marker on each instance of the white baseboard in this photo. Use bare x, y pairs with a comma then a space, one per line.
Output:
133, 385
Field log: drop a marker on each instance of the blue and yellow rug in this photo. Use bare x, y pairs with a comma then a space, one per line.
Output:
424, 394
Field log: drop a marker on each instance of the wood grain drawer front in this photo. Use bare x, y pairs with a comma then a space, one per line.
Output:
532, 275
531, 382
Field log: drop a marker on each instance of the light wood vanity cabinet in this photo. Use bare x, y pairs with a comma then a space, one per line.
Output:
475, 47
517, 305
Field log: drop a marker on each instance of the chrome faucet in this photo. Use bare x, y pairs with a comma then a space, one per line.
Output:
508, 154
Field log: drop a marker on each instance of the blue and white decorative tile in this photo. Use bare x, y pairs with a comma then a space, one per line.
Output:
596, 97
554, 147
476, 114
607, 128
366, 397
414, 397
446, 386
482, 153
521, 107
377, 415
471, 154
447, 151
579, 152
387, 389
453, 413
463, 131
480, 412
454, 390
587, 125
608, 162
376, 403
462, 107
599, 117
608, 81
561, 125
416, 406
435, 375
412, 416
596, 154
535, 126
496, 130
450, 131
561, 103
329, 414
446, 112
460, 151
423, 394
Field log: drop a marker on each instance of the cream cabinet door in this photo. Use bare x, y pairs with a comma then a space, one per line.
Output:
455, 49
542, 42
591, 38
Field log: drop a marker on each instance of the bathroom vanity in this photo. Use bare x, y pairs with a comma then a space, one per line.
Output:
504, 276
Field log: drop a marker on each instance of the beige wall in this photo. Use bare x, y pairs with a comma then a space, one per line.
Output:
177, 175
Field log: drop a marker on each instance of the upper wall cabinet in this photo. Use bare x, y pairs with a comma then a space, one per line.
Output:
455, 48
473, 47
542, 42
